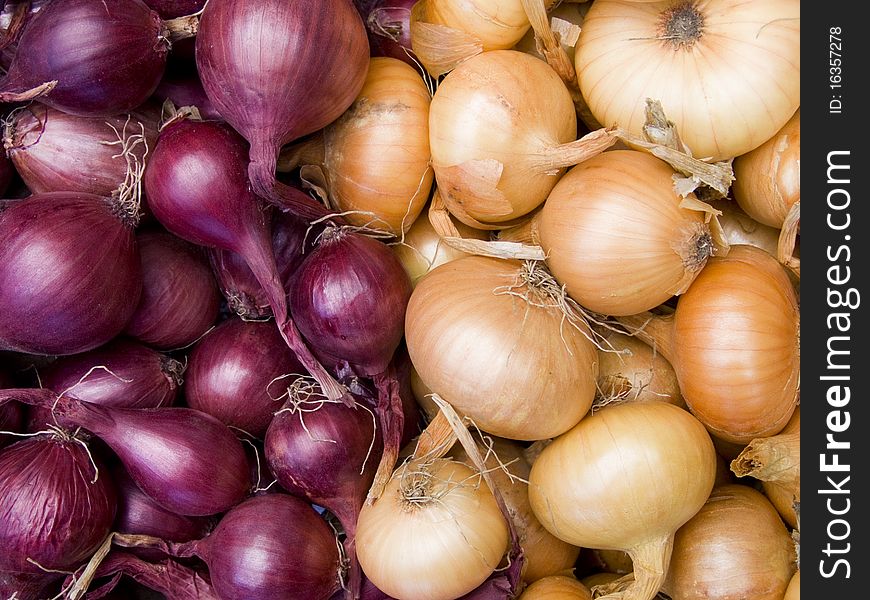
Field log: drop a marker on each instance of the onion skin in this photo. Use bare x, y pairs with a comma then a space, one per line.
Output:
231, 372
180, 298
170, 9
793, 592
515, 368
737, 531
11, 413
53, 511
107, 57
740, 228
183, 87
95, 276
631, 371
279, 70
388, 24
616, 235
557, 587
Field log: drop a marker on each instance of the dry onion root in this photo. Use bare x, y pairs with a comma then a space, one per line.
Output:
500, 342
626, 478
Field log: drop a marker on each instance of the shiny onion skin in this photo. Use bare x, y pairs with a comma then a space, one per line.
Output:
556, 587
616, 235
233, 374
69, 273
106, 57
737, 531
626, 478
54, 509
510, 363
185, 460
678, 53
280, 70
123, 373
734, 343
180, 298
54, 151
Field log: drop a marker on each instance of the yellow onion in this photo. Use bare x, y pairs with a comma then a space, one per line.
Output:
626, 478
502, 128
497, 340
435, 533
740, 228
545, 554
629, 370
733, 341
727, 72
736, 547
793, 592
557, 587
619, 237
422, 249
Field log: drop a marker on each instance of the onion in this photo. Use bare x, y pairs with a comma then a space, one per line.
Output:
793, 592
678, 52
376, 154
498, 341
244, 294
122, 373
327, 453
11, 413
232, 371
502, 127
631, 371
54, 151
388, 24
767, 185
69, 272
626, 478
566, 18
619, 237
277, 71
736, 532
89, 57
170, 9
734, 344
183, 87
58, 505
557, 587
183, 459
436, 533
740, 228
197, 189
545, 555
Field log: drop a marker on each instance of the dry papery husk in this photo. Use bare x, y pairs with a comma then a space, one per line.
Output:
500, 341
503, 129
557, 587
545, 554
740, 228
768, 187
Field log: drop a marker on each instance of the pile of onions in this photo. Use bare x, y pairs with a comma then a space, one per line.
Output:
70, 273
736, 546
767, 186
734, 344
675, 52
629, 370
495, 339
277, 71
376, 155
502, 128
557, 587
626, 478
436, 533
618, 235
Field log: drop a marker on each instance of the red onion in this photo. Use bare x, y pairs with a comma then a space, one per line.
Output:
388, 23
231, 371
169, 9
277, 71
180, 298
69, 272
245, 296
57, 508
89, 57
11, 413
183, 88
327, 453
197, 188
185, 460
54, 151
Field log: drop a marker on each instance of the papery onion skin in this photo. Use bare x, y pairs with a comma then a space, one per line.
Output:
556, 587
518, 370
107, 57
447, 514
233, 374
69, 273
180, 299
377, 152
737, 531
740, 228
615, 234
627, 53
277, 71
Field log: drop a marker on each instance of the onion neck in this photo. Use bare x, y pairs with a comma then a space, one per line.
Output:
774, 459
650, 561
261, 171
655, 330
566, 155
